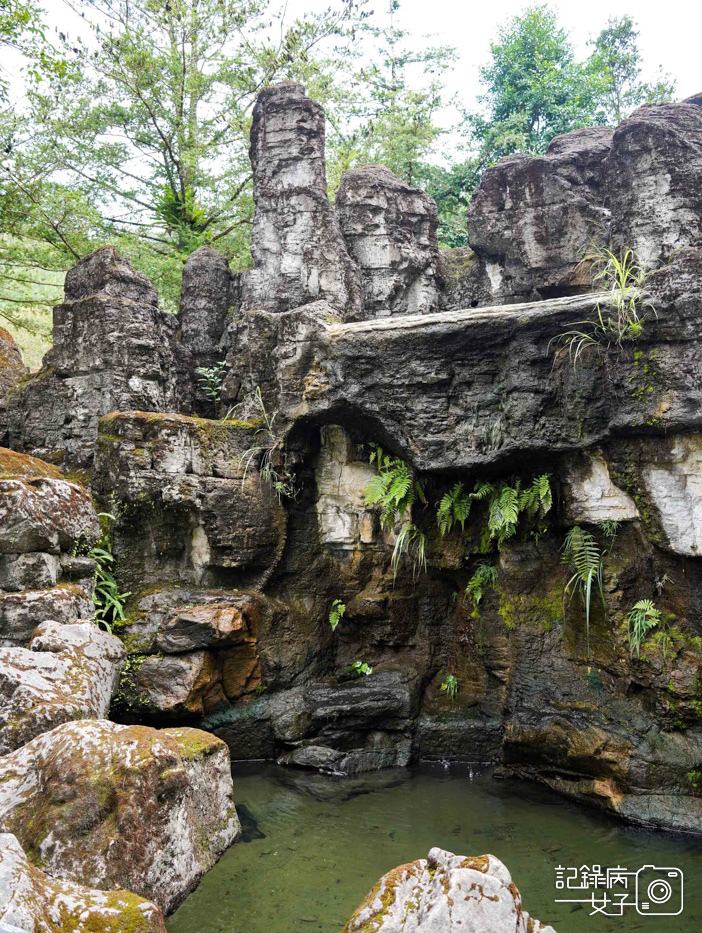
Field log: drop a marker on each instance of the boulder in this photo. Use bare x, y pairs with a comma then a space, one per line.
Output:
390, 229
113, 350
533, 218
67, 672
20, 613
33, 902
43, 514
445, 893
654, 181
113, 806
172, 687
299, 254
591, 496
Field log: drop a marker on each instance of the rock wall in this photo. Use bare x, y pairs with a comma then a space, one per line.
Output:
237, 537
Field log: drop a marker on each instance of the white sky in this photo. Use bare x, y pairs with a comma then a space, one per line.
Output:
670, 31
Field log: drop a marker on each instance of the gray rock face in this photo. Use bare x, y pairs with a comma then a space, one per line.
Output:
532, 219
446, 893
191, 510
654, 180
12, 371
113, 806
391, 233
207, 295
31, 901
43, 514
67, 672
113, 350
298, 251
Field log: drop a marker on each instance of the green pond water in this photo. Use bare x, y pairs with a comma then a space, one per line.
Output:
314, 845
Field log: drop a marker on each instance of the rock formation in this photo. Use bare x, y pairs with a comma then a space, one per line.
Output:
12, 372
67, 672
446, 893
115, 806
532, 218
31, 901
391, 232
298, 251
112, 350
240, 523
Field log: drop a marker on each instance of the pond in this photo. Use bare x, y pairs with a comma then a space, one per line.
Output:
314, 845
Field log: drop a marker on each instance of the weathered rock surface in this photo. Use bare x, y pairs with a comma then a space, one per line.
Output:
44, 515
31, 901
113, 350
298, 251
113, 806
532, 219
592, 497
653, 184
189, 509
67, 672
391, 232
446, 893
12, 371
20, 613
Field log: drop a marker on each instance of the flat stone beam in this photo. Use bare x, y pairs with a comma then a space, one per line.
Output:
471, 388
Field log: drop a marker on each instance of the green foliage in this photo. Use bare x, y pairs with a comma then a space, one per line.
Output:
394, 490
279, 478
484, 577
585, 558
336, 613
507, 501
360, 668
641, 619
610, 530
211, 379
454, 508
450, 687
622, 320
108, 600
694, 779
616, 64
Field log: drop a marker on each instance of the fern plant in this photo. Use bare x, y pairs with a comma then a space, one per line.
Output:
584, 556
454, 509
610, 529
642, 617
394, 490
484, 577
108, 600
336, 613
507, 501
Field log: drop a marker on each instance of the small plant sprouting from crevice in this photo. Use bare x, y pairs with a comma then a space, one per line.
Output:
280, 479
584, 556
610, 529
450, 686
642, 618
336, 613
211, 379
624, 278
394, 490
109, 602
360, 669
454, 508
484, 577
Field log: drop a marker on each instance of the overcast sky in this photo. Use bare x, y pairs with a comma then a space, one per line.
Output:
671, 31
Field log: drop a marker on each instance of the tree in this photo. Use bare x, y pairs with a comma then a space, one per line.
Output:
387, 113
21, 29
535, 88
145, 143
616, 64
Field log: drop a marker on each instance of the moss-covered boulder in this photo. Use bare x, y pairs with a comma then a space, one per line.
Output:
445, 893
121, 807
32, 901
68, 672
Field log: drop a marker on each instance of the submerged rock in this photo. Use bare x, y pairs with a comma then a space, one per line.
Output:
445, 893
67, 672
31, 901
116, 806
